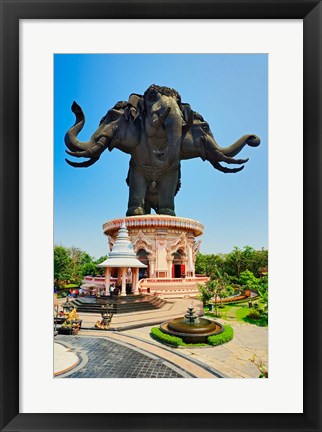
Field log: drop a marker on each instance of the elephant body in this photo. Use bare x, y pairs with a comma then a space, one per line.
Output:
158, 131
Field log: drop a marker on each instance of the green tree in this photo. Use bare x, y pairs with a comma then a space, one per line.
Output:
201, 263
75, 255
208, 264
221, 284
263, 292
249, 281
62, 269
89, 269
234, 262
206, 292
100, 270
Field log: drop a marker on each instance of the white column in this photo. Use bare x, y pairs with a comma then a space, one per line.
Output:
170, 269
133, 280
136, 281
151, 268
107, 280
123, 293
190, 265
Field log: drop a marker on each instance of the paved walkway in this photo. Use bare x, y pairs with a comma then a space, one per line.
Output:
119, 356
132, 333
232, 359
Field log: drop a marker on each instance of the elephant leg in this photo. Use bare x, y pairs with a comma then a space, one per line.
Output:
167, 188
138, 187
147, 206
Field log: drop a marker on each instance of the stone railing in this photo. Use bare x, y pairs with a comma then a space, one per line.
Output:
148, 281
155, 221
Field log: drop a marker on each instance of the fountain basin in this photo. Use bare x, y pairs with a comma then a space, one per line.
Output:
196, 333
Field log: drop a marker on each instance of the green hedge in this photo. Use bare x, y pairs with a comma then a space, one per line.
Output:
223, 337
163, 337
214, 340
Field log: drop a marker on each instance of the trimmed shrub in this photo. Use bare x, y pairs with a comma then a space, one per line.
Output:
214, 340
223, 337
254, 314
169, 339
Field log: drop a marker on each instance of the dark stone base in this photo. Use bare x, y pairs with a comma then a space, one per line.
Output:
127, 304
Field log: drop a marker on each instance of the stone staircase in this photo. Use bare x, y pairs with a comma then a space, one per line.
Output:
121, 305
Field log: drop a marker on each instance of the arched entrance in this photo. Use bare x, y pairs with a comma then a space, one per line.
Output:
178, 268
143, 257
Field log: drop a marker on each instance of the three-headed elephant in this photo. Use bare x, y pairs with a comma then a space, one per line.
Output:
158, 131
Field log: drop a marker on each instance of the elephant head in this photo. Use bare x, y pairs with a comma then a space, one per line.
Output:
117, 129
162, 120
198, 141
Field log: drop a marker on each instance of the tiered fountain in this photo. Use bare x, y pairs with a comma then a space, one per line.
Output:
190, 328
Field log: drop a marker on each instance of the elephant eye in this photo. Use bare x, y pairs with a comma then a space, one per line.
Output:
152, 96
205, 128
113, 117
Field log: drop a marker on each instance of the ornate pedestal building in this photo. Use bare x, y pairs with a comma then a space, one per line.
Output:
168, 246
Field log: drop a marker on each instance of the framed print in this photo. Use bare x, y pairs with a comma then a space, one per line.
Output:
39, 47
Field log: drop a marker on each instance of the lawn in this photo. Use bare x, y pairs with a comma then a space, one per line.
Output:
237, 312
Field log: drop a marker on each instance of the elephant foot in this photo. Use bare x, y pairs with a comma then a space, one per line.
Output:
135, 211
166, 211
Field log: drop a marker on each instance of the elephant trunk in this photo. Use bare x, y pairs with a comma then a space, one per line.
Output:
173, 125
234, 149
71, 140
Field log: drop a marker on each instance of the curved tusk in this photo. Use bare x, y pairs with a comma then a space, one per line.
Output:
227, 170
84, 164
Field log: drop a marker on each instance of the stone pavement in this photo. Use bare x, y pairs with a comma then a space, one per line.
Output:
232, 359
118, 356
132, 333
108, 359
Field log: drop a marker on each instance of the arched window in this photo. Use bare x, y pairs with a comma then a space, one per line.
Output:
143, 257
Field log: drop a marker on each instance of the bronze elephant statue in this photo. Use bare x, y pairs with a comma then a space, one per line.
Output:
158, 131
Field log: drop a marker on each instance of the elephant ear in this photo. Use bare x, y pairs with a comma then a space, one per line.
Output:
188, 115
134, 100
130, 113
186, 111
141, 107
135, 106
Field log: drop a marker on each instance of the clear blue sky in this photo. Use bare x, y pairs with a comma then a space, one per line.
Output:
230, 91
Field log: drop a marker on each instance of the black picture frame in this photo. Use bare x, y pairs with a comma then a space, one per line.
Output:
11, 12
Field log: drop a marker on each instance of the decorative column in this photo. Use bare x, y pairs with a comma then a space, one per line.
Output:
119, 276
170, 261
107, 280
136, 292
190, 265
123, 273
151, 267
135, 281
